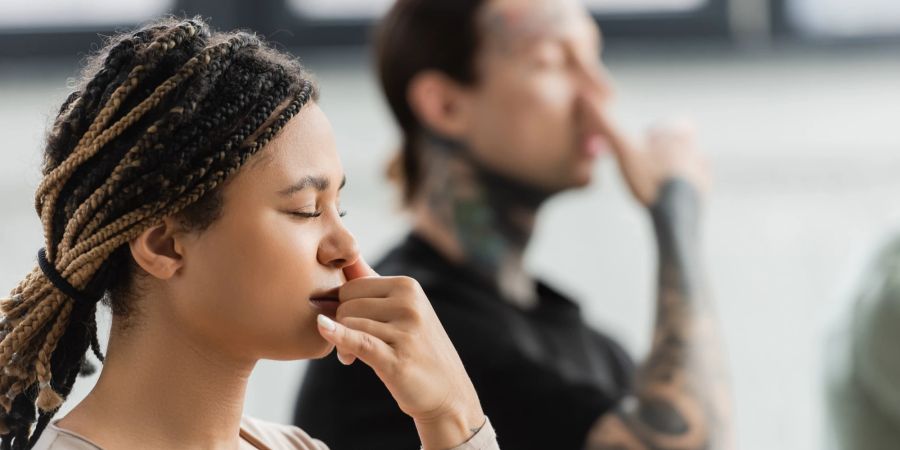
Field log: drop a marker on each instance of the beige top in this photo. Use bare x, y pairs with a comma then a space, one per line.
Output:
255, 435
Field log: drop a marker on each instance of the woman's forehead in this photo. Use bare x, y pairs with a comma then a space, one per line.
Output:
304, 147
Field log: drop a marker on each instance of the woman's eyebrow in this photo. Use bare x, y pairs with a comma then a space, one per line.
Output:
318, 182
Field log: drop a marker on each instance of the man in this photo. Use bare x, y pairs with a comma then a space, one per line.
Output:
502, 104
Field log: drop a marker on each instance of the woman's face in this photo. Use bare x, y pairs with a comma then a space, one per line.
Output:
248, 282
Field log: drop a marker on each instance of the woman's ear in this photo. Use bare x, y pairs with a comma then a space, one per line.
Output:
159, 250
440, 103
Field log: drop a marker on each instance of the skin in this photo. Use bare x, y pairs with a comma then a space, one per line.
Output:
211, 303
535, 123
541, 75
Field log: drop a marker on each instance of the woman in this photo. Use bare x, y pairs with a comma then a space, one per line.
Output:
192, 184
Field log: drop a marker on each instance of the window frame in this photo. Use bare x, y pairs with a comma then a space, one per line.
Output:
279, 23
784, 30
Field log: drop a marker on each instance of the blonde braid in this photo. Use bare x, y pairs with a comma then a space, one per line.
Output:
48, 399
91, 142
129, 160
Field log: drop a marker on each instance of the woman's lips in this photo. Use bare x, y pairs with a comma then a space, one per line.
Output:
326, 302
325, 306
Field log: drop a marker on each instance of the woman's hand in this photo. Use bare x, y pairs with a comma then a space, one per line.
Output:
389, 324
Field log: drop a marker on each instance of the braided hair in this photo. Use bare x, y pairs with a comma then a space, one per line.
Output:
163, 118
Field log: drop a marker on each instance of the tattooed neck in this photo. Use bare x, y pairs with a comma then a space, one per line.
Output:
488, 217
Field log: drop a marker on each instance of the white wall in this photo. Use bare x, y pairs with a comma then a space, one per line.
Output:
807, 156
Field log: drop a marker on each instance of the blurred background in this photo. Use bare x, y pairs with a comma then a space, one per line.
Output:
798, 104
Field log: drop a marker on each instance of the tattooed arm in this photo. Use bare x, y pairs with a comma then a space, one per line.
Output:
681, 396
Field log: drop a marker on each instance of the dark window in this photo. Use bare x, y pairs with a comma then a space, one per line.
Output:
44, 14
844, 18
355, 9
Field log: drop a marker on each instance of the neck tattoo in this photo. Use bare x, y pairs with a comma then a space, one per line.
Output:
490, 216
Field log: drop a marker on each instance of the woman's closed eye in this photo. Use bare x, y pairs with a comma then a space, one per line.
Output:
314, 214
307, 214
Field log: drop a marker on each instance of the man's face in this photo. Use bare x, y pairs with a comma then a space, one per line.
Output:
538, 68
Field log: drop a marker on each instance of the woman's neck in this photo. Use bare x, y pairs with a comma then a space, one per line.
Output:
161, 388
477, 217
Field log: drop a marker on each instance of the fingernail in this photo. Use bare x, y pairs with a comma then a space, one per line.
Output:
326, 323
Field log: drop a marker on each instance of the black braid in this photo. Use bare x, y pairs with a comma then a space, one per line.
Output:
84, 101
168, 62
150, 148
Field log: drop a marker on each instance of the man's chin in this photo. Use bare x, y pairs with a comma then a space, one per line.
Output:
584, 181
571, 183
580, 178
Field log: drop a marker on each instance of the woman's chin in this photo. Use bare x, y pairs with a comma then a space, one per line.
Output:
327, 352
309, 350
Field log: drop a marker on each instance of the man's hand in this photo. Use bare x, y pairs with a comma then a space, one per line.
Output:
681, 395
669, 150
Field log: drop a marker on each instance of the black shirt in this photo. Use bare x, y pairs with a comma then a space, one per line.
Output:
543, 377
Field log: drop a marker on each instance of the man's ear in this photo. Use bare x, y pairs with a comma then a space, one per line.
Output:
159, 250
440, 103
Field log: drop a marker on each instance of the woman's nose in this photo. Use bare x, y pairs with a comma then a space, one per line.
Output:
338, 249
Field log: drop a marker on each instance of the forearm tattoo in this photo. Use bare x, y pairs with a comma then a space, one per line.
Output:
681, 396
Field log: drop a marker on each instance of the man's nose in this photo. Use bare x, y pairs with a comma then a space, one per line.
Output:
595, 79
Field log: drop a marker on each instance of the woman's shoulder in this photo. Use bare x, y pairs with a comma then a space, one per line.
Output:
258, 433
263, 434
54, 438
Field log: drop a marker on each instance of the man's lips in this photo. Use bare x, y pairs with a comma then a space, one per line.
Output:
594, 145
